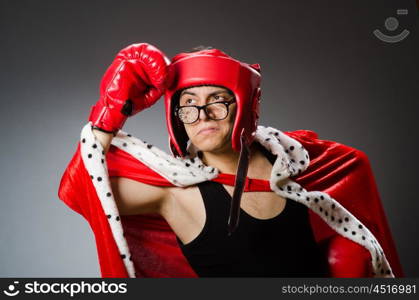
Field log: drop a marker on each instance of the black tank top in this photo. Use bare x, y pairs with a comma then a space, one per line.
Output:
283, 246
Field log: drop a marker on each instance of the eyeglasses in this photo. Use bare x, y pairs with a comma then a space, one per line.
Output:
215, 111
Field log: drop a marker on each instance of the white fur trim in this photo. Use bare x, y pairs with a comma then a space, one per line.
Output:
95, 163
178, 171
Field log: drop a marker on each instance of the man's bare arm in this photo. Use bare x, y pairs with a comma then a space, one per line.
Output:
132, 197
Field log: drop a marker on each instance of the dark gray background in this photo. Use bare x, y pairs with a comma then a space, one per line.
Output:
323, 70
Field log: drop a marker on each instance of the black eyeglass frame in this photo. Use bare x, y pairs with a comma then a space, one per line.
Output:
199, 107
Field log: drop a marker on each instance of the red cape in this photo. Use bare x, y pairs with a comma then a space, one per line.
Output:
341, 171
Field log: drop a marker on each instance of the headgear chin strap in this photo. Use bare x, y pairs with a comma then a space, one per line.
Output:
214, 67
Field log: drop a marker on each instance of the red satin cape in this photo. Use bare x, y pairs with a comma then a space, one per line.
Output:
341, 171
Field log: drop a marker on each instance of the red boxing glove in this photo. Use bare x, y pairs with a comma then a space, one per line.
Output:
135, 80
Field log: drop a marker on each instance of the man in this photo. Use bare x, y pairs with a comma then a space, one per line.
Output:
212, 110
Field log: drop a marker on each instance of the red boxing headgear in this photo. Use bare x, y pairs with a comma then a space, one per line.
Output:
214, 67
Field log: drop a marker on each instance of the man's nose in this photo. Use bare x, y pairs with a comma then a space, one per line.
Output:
202, 114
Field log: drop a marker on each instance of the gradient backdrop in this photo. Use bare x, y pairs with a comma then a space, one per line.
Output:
323, 69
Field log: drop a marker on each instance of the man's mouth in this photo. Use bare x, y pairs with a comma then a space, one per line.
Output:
206, 131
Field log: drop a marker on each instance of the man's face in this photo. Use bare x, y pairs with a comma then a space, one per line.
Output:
205, 134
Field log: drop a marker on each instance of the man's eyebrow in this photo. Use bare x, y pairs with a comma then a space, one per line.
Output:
218, 92
186, 92
212, 94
